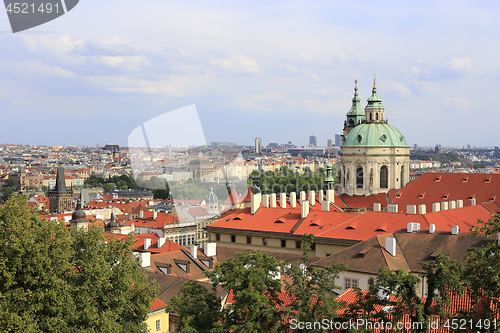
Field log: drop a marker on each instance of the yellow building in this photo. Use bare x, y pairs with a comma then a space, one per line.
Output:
157, 320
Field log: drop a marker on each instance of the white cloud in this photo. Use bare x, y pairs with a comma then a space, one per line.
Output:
238, 64
415, 69
463, 65
427, 87
321, 92
316, 78
458, 103
290, 69
113, 45
399, 87
133, 63
39, 68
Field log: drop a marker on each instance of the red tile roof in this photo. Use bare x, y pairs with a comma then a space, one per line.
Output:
157, 305
439, 187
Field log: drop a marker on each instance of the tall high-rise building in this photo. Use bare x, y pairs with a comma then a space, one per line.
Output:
312, 140
258, 145
329, 143
337, 140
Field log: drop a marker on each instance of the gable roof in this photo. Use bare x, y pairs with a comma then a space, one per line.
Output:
411, 249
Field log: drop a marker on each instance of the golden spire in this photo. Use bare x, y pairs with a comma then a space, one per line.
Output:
374, 85
356, 85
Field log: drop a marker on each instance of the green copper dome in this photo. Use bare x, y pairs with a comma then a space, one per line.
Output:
374, 135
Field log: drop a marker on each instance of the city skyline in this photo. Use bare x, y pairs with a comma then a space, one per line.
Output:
278, 71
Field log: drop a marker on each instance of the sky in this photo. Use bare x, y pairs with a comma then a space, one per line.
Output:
279, 70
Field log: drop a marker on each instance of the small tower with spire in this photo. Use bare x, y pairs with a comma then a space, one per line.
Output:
355, 116
374, 111
212, 203
329, 179
79, 218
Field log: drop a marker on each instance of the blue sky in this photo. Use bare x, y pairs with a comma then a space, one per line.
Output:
280, 70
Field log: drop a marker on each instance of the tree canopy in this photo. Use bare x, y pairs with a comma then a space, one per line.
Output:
59, 279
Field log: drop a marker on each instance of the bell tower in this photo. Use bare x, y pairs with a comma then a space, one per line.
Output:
355, 116
374, 111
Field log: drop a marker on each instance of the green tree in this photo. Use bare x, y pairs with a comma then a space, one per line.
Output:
312, 288
443, 277
482, 274
252, 278
57, 279
198, 309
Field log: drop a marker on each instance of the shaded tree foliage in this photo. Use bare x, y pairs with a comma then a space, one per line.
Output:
59, 279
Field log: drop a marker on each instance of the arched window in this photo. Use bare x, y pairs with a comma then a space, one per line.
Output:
376, 116
403, 176
371, 118
383, 177
359, 177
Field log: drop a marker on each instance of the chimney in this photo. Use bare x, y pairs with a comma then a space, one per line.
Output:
265, 200
325, 206
161, 241
305, 209
432, 228
436, 207
411, 209
460, 203
392, 208
452, 205
390, 246
210, 249
302, 196
455, 230
444, 205
473, 201
321, 196
147, 243
194, 251
312, 198
145, 259
377, 207
283, 200
141, 214
293, 199
273, 200
255, 203
422, 209
330, 196
155, 214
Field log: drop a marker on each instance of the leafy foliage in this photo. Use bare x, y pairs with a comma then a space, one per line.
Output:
257, 306
56, 279
312, 288
198, 309
286, 180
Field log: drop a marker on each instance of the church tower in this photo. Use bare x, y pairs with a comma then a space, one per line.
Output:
355, 116
79, 218
374, 155
212, 203
59, 197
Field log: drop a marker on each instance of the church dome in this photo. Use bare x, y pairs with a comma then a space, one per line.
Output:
212, 198
374, 135
79, 215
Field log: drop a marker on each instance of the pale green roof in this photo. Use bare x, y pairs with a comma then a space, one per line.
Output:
356, 109
374, 102
374, 135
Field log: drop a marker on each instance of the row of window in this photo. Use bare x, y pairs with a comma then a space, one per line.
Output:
265, 242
